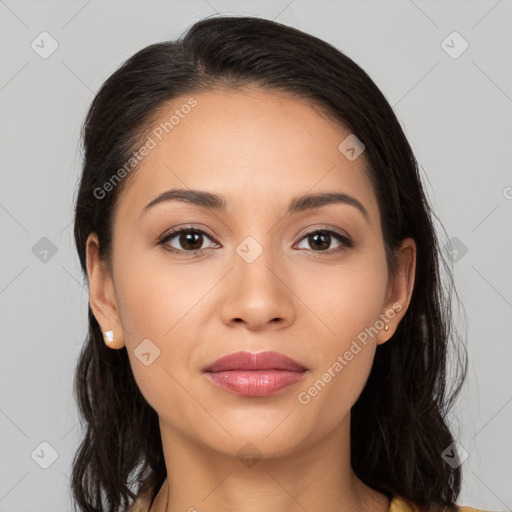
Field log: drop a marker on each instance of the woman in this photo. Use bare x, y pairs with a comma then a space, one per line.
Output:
268, 328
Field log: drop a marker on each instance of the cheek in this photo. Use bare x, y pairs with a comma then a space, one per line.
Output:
347, 302
346, 298
156, 299
343, 356
333, 390
153, 307
161, 303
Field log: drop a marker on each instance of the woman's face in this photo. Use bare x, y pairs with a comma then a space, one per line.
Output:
259, 282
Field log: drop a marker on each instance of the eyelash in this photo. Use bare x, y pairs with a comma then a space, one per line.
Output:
345, 241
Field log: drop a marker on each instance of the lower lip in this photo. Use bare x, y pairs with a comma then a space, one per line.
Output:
255, 382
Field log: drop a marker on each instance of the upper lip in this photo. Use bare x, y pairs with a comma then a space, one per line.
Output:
255, 361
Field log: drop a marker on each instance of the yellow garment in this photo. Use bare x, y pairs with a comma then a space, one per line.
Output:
141, 504
399, 505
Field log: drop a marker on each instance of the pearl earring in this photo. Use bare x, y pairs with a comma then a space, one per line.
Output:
386, 328
109, 336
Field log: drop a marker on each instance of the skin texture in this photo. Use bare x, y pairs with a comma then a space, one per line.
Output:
259, 150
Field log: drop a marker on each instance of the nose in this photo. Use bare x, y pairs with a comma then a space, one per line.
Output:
259, 293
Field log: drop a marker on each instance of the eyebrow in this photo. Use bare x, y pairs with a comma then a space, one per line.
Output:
218, 203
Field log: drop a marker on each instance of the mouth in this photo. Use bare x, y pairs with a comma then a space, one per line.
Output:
255, 375
254, 362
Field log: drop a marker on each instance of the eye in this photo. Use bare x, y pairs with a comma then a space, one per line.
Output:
191, 240
321, 239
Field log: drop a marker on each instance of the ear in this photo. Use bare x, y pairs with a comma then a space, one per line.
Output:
400, 289
101, 294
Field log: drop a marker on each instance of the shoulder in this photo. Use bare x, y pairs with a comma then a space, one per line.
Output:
143, 501
400, 505
141, 504
471, 509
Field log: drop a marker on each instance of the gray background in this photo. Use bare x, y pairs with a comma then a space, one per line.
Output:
456, 113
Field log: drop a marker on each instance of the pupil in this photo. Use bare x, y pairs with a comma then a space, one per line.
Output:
187, 239
321, 241
324, 237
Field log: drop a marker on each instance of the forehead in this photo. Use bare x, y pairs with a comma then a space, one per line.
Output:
252, 146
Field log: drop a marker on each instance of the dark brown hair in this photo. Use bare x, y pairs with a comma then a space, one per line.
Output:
399, 423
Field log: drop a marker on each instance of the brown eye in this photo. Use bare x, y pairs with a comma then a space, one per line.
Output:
320, 240
190, 240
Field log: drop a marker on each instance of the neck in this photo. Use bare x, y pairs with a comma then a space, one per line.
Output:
318, 477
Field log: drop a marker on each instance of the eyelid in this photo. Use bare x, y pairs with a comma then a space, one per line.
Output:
342, 237
178, 229
326, 228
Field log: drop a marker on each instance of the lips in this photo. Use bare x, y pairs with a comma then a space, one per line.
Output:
252, 362
255, 375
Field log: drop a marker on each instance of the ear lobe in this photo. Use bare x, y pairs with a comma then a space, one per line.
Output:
101, 294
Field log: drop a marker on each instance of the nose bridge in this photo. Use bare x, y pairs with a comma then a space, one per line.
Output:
255, 259
257, 292
259, 255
